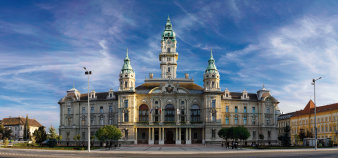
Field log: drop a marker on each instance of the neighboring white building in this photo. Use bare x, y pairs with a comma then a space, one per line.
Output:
170, 110
17, 125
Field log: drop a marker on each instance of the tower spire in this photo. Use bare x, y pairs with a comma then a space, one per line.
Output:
126, 65
211, 56
211, 64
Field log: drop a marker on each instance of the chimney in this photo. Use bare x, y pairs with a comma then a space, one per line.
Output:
186, 76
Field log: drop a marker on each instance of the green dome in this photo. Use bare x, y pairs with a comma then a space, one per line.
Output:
211, 64
126, 68
168, 31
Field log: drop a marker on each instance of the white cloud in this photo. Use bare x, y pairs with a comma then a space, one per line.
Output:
289, 57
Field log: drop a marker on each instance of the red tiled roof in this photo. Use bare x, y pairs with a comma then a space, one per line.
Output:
20, 121
310, 108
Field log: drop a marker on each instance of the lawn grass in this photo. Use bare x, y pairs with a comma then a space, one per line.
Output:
36, 146
282, 147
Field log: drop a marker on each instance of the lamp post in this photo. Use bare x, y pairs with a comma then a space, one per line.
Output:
314, 98
88, 73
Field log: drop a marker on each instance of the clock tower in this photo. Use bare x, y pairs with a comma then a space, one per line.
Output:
168, 56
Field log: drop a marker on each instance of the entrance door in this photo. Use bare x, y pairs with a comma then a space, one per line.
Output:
183, 136
169, 137
156, 135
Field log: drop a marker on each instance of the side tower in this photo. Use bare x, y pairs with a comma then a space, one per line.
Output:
168, 56
127, 76
211, 76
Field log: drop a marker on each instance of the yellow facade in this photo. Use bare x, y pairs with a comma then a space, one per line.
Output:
327, 122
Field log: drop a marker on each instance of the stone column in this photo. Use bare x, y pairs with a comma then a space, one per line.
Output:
153, 135
161, 112
188, 112
203, 135
188, 131
150, 136
162, 136
178, 140
135, 141
151, 111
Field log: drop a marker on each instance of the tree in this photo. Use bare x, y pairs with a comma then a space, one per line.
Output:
77, 138
243, 133
59, 138
224, 134
52, 134
40, 135
261, 137
285, 138
26, 133
108, 133
5, 132
301, 135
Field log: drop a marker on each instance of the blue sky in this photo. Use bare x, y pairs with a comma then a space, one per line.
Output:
283, 44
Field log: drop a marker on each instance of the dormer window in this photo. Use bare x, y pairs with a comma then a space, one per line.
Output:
168, 50
92, 95
245, 95
227, 94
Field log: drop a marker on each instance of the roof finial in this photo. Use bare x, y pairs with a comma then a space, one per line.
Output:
127, 53
211, 56
168, 18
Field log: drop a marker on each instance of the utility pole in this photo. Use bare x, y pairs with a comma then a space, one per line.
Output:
88, 73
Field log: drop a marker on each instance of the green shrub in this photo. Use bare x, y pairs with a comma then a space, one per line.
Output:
51, 143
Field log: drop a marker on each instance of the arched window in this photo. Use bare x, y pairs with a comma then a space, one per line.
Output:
195, 113
143, 113
169, 113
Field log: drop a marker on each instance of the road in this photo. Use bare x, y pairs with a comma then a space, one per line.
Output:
18, 153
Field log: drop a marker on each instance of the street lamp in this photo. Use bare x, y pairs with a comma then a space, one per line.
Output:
314, 96
88, 73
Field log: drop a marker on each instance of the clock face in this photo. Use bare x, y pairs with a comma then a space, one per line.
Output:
168, 41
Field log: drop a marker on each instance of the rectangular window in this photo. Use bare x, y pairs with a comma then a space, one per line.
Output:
269, 134
69, 110
126, 134
253, 110
101, 121
227, 109
214, 116
213, 103
244, 109
244, 120
125, 103
168, 50
253, 121
236, 109
213, 133
92, 121
110, 121
227, 120
92, 109
83, 135
83, 110
168, 69
236, 120
101, 109
110, 108
267, 109
254, 134
126, 116
268, 121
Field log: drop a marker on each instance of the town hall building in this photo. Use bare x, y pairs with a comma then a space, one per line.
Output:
170, 109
